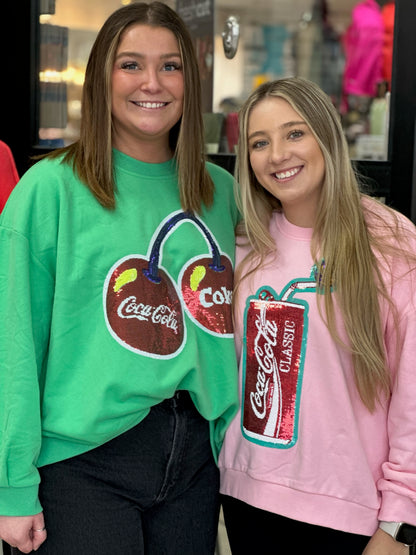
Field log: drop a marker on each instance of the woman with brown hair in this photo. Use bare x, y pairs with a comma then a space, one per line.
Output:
118, 371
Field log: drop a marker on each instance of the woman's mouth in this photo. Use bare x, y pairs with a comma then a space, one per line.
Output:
286, 174
150, 105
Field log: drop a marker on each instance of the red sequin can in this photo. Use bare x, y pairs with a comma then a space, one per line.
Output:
273, 371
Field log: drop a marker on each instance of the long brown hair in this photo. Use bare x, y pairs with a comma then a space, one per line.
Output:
343, 238
91, 155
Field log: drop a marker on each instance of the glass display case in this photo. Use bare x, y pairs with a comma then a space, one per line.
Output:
344, 46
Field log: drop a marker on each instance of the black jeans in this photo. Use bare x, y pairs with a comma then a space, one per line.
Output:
251, 530
153, 490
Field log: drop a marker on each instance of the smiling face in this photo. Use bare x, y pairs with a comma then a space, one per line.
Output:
286, 158
147, 92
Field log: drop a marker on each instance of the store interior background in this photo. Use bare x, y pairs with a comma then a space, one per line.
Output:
277, 38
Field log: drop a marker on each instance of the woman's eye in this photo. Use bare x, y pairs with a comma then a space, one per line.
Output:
296, 134
171, 66
258, 144
129, 66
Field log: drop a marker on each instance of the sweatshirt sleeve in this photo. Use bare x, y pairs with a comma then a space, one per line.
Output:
26, 292
398, 482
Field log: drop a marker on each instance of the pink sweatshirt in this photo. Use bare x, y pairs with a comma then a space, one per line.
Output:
304, 445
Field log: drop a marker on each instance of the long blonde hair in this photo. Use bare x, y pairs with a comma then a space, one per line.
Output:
91, 155
341, 238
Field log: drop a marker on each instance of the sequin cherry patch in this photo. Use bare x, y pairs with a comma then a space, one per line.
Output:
206, 285
207, 292
143, 307
144, 315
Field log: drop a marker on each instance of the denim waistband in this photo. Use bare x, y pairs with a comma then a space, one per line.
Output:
180, 399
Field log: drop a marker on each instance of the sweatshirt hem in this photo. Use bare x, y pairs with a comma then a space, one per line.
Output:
19, 501
313, 508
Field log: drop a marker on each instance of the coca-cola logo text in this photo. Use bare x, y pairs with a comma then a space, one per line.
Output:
264, 349
161, 314
208, 298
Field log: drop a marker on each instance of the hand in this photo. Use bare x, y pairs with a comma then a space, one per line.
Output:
383, 544
24, 532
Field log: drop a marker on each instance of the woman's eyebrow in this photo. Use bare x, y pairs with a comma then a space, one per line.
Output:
283, 126
140, 55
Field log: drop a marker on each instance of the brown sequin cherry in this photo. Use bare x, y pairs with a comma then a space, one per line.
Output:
144, 315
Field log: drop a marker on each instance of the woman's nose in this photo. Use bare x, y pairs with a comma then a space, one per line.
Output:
278, 152
150, 80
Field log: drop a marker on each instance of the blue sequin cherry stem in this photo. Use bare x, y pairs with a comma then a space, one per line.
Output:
151, 272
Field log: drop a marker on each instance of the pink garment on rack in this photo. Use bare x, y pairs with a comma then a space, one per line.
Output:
387, 12
8, 174
231, 130
363, 45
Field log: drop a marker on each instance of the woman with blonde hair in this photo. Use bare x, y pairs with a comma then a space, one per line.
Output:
117, 370
322, 451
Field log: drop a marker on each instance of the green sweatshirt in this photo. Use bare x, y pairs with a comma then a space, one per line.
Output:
105, 313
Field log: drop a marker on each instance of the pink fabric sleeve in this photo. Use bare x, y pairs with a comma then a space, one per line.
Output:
8, 173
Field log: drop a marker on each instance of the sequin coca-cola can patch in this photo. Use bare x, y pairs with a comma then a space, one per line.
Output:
275, 339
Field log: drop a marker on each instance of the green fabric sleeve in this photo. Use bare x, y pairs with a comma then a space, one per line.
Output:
25, 300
